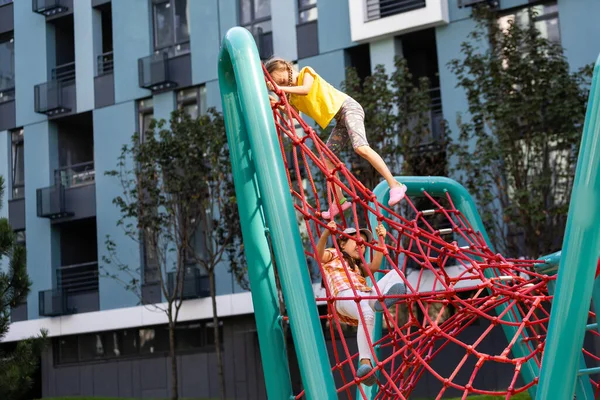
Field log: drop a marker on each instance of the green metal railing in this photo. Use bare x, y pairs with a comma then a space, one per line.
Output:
264, 200
578, 261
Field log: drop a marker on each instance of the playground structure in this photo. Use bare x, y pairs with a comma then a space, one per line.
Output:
460, 279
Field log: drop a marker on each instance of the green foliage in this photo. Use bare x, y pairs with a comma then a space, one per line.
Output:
17, 364
517, 145
178, 195
179, 202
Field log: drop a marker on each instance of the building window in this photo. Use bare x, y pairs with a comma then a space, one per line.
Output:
18, 164
7, 67
545, 20
137, 342
255, 15
171, 28
145, 115
307, 11
192, 101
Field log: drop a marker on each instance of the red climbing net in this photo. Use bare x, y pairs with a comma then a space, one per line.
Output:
471, 321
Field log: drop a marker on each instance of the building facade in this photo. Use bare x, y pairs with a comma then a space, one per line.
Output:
78, 77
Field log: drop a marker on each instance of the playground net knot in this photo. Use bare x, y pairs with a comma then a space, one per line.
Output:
468, 319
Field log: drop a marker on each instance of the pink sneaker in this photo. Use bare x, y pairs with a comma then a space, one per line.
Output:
396, 194
333, 210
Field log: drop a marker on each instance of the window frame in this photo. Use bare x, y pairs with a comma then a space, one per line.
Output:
539, 18
198, 99
300, 9
9, 37
180, 46
16, 143
145, 107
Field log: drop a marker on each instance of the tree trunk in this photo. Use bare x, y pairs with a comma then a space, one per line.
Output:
174, 381
213, 295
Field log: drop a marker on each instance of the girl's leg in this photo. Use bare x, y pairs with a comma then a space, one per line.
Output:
354, 118
338, 137
349, 308
390, 285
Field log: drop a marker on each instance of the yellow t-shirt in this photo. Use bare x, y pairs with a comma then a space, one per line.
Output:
322, 102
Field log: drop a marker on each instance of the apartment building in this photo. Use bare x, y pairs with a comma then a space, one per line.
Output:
78, 77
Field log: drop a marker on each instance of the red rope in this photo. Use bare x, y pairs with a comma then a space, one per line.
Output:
426, 327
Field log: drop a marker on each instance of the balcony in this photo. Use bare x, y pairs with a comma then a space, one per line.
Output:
52, 303
57, 96
154, 72
379, 19
104, 82
195, 285
50, 7
166, 69
72, 196
76, 291
51, 202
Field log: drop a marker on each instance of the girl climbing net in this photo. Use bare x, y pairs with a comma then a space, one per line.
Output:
344, 284
310, 94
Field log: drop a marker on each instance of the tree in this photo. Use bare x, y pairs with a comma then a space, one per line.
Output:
179, 202
21, 362
517, 146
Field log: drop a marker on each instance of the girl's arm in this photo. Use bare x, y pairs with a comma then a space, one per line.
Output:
378, 256
322, 244
301, 90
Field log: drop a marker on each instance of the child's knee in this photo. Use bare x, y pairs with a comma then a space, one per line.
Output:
368, 315
362, 150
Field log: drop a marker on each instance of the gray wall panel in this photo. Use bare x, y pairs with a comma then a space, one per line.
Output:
86, 379
16, 214
125, 379
67, 381
7, 115
106, 378
7, 21
153, 374
104, 90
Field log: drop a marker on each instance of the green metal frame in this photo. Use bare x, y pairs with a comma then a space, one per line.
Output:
579, 259
264, 201
261, 187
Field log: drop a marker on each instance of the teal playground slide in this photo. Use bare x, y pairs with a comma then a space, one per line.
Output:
270, 227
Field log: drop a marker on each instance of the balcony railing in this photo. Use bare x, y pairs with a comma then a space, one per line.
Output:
474, 3
76, 175
195, 285
52, 303
105, 63
64, 73
51, 202
154, 72
376, 9
78, 278
49, 7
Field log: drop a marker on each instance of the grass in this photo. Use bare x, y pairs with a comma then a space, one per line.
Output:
111, 398
520, 396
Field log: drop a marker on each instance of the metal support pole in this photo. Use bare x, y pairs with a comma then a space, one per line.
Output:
579, 259
247, 106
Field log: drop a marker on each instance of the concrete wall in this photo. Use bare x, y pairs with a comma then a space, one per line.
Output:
113, 127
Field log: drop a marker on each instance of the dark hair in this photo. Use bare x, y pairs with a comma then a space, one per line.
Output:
352, 263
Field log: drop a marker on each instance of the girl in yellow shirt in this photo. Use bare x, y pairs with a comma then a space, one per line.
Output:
310, 94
